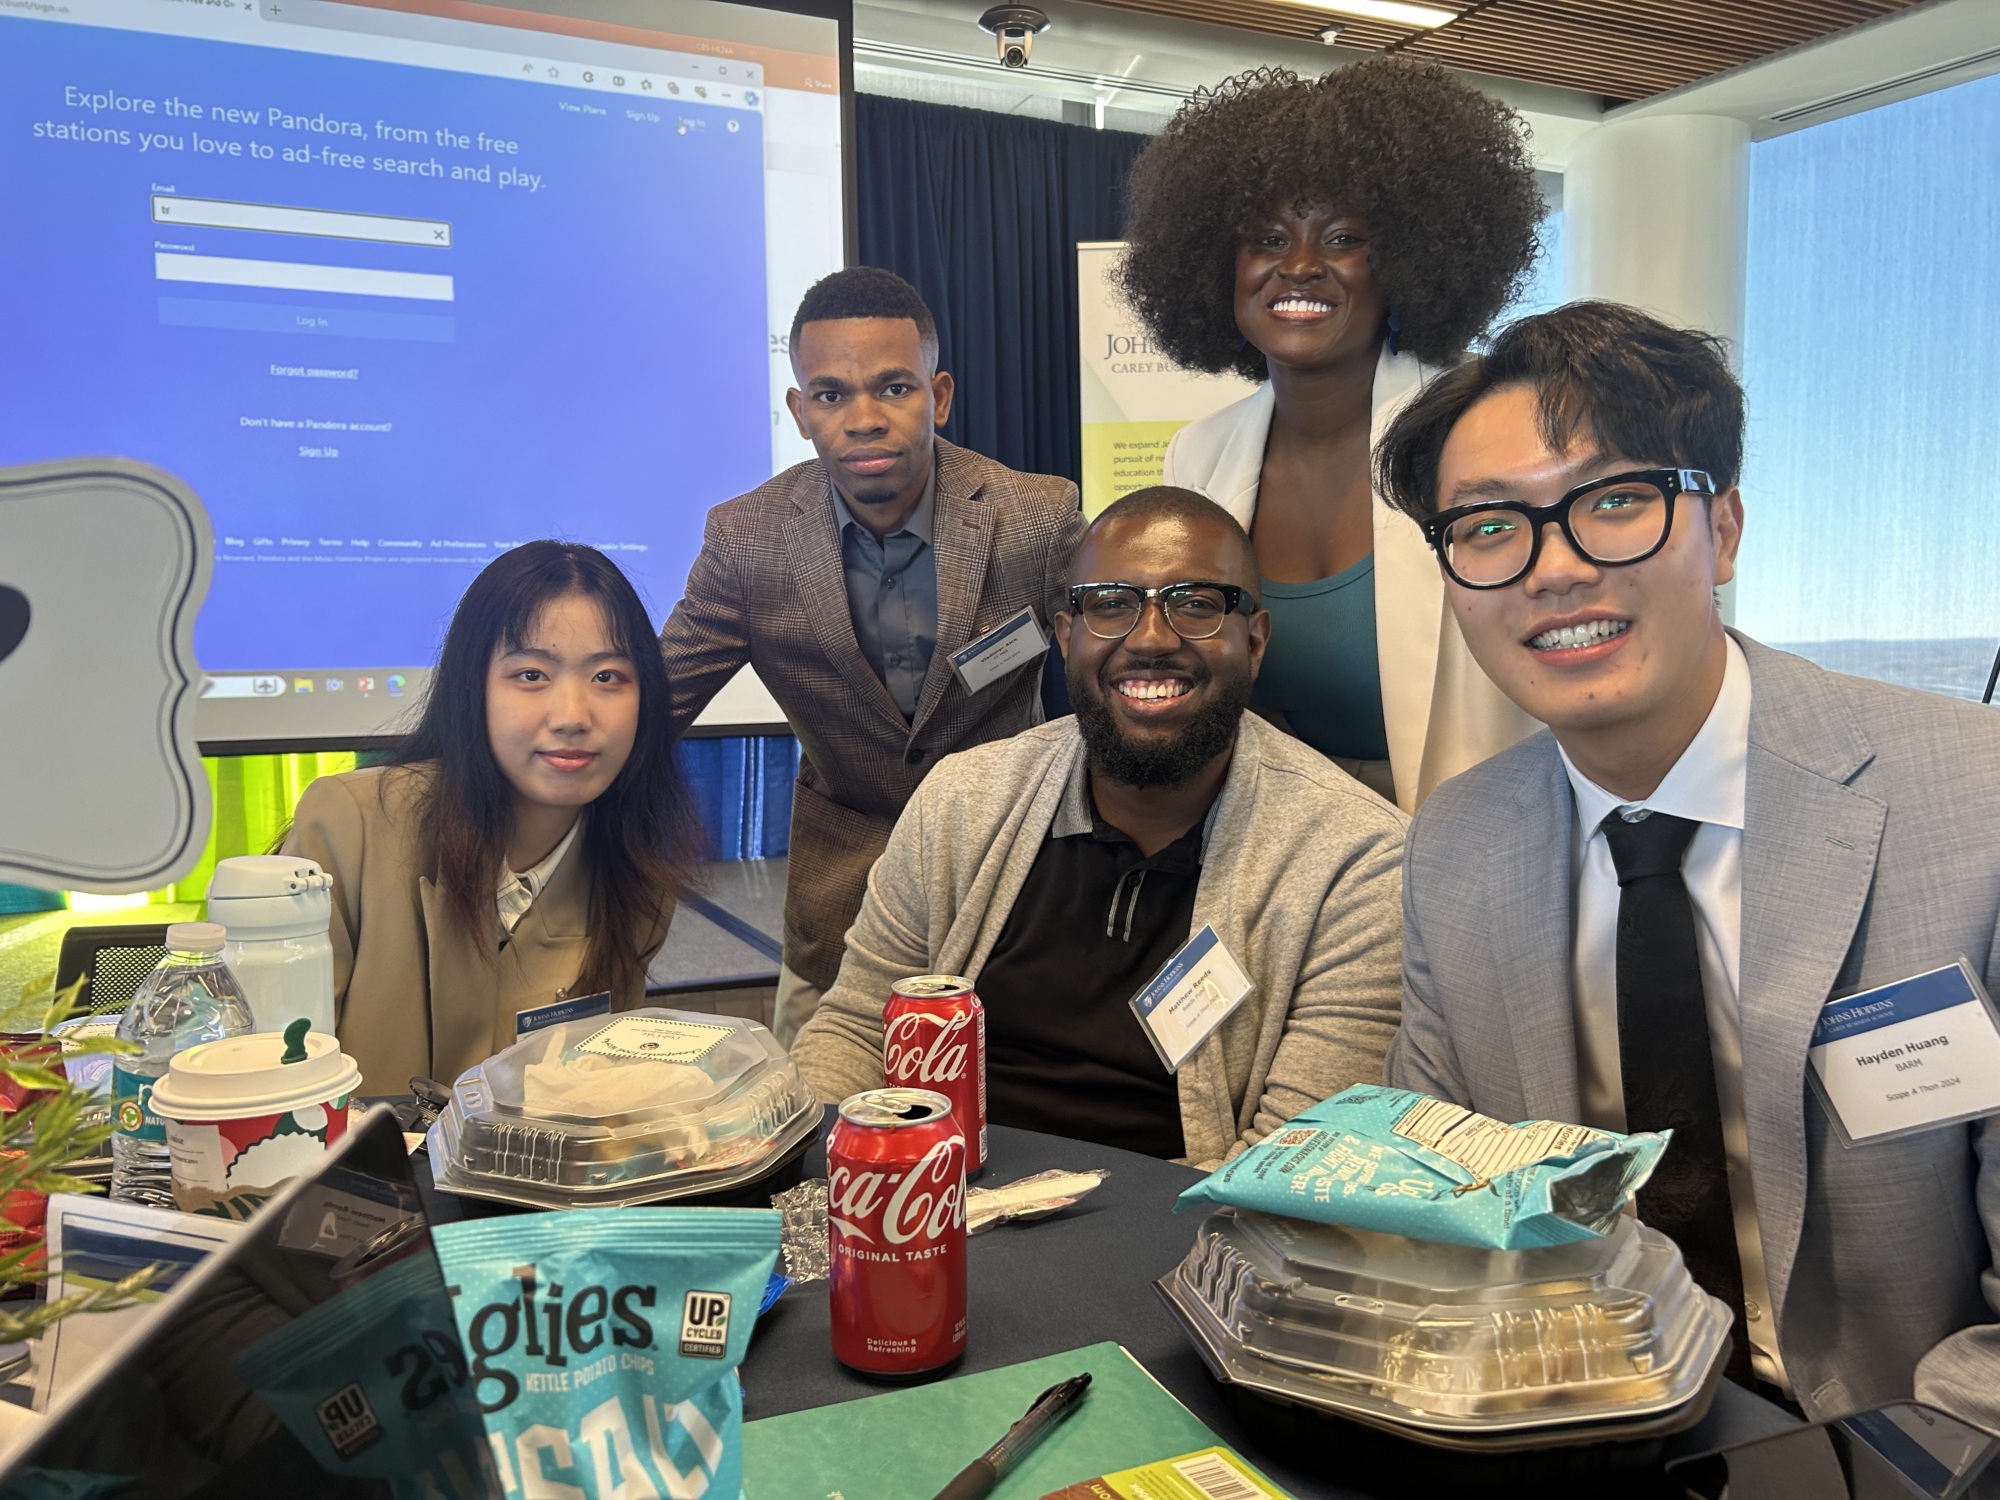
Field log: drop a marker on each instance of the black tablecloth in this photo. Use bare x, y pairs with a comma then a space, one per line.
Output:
1083, 1277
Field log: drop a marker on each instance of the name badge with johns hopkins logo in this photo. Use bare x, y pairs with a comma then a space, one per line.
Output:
1908, 1056
1015, 642
1195, 991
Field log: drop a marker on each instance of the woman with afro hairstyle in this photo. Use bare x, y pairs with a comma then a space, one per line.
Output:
1339, 240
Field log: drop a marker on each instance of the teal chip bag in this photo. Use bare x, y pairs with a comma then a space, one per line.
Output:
372, 1383
1404, 1163
601, 1345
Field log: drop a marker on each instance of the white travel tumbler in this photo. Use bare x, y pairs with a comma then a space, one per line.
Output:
277, 908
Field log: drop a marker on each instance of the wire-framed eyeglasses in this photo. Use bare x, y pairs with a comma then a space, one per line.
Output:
1194, 610
1612, 522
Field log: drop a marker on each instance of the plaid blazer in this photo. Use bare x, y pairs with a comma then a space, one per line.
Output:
769, 589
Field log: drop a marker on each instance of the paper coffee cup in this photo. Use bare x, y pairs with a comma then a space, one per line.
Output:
242, 1122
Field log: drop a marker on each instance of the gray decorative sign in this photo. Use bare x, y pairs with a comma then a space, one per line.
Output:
104, 564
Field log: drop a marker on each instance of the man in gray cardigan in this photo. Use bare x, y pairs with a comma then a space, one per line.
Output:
1062, 869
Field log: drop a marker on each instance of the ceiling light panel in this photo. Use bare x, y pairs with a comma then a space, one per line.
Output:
1396, 12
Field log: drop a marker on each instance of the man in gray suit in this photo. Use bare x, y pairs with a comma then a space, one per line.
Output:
850, 582
1633, 920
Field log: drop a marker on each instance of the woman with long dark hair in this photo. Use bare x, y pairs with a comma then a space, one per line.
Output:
1338, 239
526, 843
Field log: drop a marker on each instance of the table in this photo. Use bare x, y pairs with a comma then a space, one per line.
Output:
1080, 1278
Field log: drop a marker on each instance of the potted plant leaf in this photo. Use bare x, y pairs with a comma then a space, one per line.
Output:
58, 1123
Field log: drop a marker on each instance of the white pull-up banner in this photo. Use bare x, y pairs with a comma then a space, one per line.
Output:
1134, 399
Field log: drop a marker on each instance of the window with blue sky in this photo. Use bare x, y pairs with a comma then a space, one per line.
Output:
1871, 355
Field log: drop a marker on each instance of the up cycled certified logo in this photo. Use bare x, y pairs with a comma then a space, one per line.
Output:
705, 1325
349, 1421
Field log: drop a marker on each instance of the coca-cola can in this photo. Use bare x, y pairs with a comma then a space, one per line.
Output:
895, 1214
934, 1037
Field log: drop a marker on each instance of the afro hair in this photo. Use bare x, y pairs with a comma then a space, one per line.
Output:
1439, 170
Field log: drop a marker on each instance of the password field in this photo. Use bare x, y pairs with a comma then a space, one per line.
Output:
302, 276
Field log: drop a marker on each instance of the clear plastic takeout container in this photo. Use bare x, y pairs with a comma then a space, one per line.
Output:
1414, 1333
632, 1108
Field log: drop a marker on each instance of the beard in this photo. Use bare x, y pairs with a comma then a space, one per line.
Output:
1155, 762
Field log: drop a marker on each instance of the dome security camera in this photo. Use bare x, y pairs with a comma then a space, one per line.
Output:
1014, 29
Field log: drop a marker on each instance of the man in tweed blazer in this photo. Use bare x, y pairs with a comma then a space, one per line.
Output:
1834, 834
849, 581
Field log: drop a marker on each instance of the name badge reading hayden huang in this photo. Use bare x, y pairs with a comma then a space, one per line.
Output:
1194, 992
1017, 641
1907, 1056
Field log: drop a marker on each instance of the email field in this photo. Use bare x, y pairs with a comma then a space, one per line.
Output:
325, 223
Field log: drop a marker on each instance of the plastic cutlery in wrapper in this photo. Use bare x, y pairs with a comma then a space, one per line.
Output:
1404, 1163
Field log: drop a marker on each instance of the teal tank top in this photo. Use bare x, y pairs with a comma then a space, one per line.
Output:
1320, 668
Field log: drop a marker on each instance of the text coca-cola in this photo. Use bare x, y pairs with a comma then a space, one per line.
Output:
895, 1212
934, 1037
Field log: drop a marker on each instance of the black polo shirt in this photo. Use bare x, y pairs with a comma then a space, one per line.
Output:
1095, 921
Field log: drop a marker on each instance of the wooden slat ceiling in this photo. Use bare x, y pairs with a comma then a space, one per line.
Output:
1621, 49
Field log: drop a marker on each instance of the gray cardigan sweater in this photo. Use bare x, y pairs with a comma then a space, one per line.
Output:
1301, 878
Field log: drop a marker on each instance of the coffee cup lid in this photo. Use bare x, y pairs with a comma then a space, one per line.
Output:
241, 1077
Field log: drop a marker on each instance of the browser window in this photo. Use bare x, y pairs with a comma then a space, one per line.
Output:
397, 285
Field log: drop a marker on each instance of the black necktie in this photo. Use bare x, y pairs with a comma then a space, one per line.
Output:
1664, 1057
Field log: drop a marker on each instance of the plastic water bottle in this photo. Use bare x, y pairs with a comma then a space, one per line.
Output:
189, 997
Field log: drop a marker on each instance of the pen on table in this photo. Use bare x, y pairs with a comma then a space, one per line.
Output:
976, 1480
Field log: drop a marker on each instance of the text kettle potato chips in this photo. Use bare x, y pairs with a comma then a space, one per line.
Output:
602, 1345
1404, 1163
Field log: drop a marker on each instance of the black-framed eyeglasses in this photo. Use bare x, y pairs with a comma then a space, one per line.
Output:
1194, 610
1612, 522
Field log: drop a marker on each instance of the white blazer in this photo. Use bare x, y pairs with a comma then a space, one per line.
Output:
1442, 713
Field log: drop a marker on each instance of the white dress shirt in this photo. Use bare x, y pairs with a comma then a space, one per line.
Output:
518, 889
1706, 785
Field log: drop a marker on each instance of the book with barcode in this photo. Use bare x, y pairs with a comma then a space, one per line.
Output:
903, 1445
1212, 1474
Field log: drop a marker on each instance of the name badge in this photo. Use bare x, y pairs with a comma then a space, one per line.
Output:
1908, 1056
1017, 641
1938, 1456
556, 1012
1195, 991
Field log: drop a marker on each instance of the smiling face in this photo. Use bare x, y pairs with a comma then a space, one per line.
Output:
1306, 295
562, 711
1154, 709
1615, 660
870, 404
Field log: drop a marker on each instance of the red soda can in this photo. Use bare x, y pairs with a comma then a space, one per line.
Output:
895, 1213
934, 1037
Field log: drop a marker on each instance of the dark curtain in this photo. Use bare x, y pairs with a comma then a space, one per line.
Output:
742, 786
982, 213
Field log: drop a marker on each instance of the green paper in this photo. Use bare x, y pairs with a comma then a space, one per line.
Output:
908, 1444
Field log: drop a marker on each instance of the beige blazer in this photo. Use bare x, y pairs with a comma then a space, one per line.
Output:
1442, 713
414, 994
